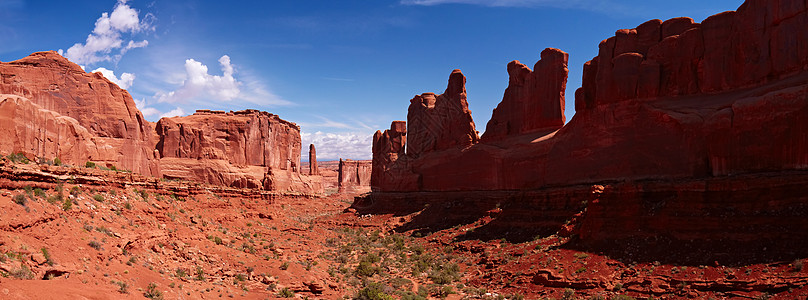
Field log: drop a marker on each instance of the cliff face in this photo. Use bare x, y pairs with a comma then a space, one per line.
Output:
102, 108
248, 149
50, 107
697, 108
354, 176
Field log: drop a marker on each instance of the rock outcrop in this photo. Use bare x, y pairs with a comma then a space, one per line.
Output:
244, 149
50, 108
313, 169
441, 122
693, 105
354, 176
106, 111
534, 100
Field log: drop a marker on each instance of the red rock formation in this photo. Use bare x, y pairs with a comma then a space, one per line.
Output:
313, 169
102, 108
28, 128
247, 148
631, 126
534, 100
354, 176
390, 168
441, 122
763, 41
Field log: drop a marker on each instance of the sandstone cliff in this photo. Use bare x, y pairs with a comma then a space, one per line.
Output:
354, 176
50, 108
245, 149
99, 106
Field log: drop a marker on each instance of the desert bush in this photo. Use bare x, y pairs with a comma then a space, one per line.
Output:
89, 165
98, 197
67, 204
22, 273
57, 162
20, 199
18, 158
123, 287
286, 293
39, 193
284, 265
373, 291
797, 265
95, 245
152, 292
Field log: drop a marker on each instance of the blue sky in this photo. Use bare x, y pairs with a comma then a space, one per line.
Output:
340, 69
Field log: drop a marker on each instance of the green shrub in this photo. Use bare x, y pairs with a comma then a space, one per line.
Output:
286, 293
67, 204
285, 265
95, 245
57, 162
39, 193
373, 291
98, 197
152, 292
89, 165
18, 158
20, 199
123, 287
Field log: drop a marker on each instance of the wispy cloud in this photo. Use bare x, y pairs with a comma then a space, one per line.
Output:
333, 146
106, 42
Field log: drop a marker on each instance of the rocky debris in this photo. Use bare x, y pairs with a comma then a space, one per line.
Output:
56, 86
534, 99
441, 122
354, 176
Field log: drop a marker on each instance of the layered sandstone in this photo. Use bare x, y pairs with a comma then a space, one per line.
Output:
313, 168
245, 149
103, 109
534, 99
354, 176
439, 122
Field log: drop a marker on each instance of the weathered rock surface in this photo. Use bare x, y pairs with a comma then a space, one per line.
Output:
715, 103
534, 100
390, 168
246, 149
441, 122
762, 42
354, 176
99, 106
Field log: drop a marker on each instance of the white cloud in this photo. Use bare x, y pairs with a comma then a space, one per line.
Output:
107, 36
124, 82
199, 84
173, 113
147, 111
333, 146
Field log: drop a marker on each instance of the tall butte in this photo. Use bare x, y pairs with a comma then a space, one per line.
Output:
108, 127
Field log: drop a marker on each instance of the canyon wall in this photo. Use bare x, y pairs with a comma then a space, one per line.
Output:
702, 111
354, 176
122, 136
50, 108
246, 149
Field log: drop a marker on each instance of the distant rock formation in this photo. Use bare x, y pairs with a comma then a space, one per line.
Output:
122, 137
354, 176
313, 168
245, 149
